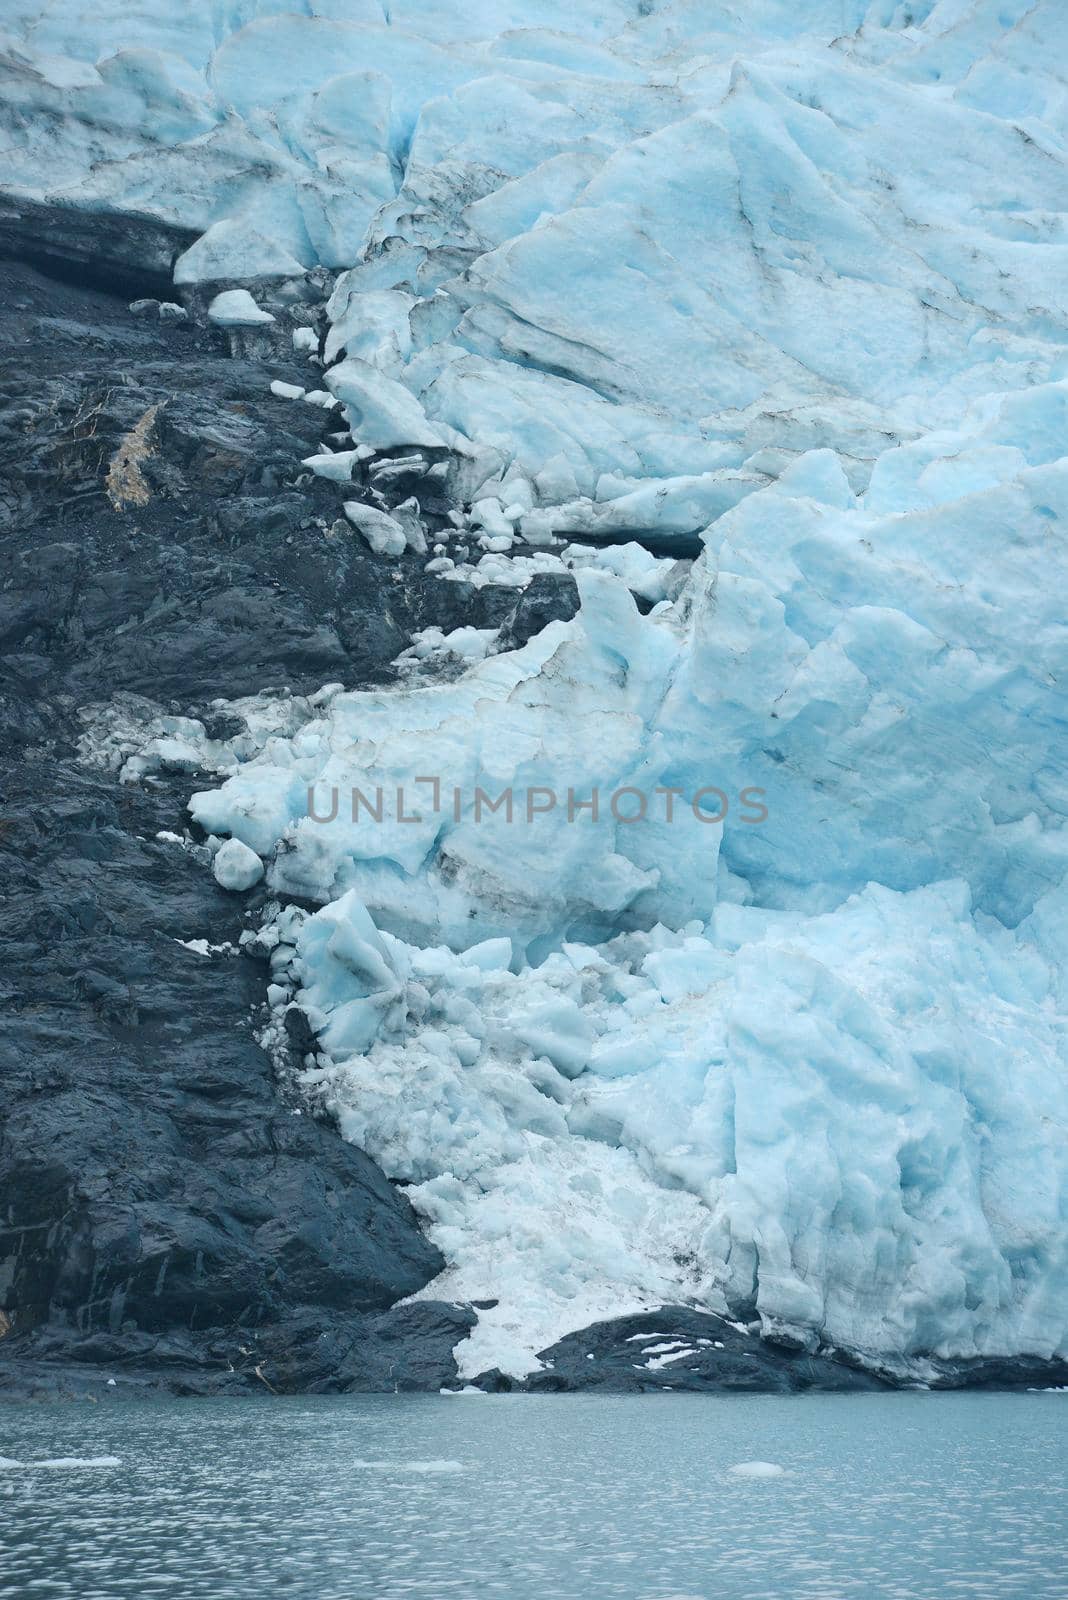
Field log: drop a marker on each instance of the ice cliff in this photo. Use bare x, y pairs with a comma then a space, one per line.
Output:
780, 286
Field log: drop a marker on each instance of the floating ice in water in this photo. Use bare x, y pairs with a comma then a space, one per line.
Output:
757, 1469
8, 1462
410, 1466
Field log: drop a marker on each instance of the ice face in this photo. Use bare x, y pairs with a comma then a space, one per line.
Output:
835, 1120
841, 1103
786, 284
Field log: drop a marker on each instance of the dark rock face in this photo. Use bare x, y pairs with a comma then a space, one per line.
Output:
549, 597
310, 1351
125, 253
696, 1352
162, 1208
680, 1349
229, 577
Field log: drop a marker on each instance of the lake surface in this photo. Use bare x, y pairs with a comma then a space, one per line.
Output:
528, 1497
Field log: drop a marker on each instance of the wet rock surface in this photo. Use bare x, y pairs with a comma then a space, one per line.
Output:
681, 1349
164, 1212
547, 598
123, 252
689, 1351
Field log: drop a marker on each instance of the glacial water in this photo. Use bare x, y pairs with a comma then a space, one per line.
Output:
435, 1498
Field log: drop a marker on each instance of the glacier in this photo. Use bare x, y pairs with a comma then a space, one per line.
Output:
758, 313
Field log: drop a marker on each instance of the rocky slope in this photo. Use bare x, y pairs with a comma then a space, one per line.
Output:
163, 1210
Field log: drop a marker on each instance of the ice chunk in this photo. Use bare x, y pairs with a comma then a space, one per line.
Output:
381, 412
462, 644
383, 533
235, 308
757, 1469
236, 867
337, 465
492, 955
235, 248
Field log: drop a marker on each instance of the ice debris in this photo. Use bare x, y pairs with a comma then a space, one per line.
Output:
235, 308
236, 867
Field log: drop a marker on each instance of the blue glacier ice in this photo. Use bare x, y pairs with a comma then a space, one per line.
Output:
787, 281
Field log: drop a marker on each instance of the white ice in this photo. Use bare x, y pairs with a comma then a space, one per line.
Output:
236, 867
235, 308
